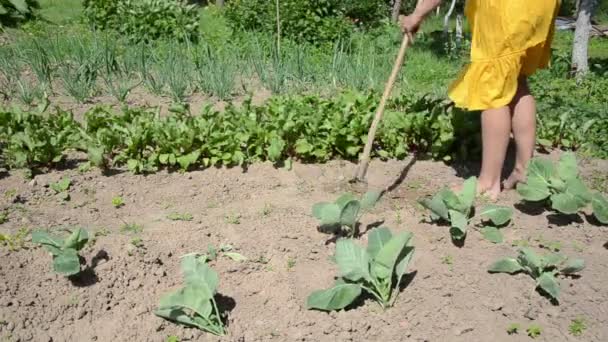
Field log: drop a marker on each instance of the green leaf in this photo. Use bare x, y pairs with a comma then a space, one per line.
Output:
3, 10
20, 5
62, 185
187, 160
530, 261
67, 262
95, 155
198, 273
376, 239
552, 260
541, 169
492, 234
336, 298
533, 190
436, 206
452, 201
600, 208
275, 149
403, 262
51, 244
573, 266
459, 225
385, 260
344, 199
77, 239
192, 297
352, 260
348, 215
567, 167
549, 284
317, 209
579, 190
468, 193
369, 200
565, 203
235, 256
506, 265
163, 158
498, 215
330, 214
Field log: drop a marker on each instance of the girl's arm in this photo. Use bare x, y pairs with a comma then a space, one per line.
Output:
411, 23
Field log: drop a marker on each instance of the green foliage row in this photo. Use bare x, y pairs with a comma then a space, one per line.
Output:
144, 19
307, 128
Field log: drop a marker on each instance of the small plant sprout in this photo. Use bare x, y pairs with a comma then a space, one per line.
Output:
291, 263
194, 304
267, 210
66, 260
61, 187
3, 217
457, 210
534, 331
132, 228
137, 242
513, 328
543, 268
118, 202
577, 326
561, 186
180, 217
234, 218
344, 213
377, 270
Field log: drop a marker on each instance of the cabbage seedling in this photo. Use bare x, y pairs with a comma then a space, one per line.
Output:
66, 260
376, 270
345, 212
194, 304
457, 209
561, 185
543, 268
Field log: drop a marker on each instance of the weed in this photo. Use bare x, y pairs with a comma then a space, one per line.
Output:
267, 210
10, 193
534, 331
3, 217
16, 241
118, 202
172, 338
180, 217
291, 263
137, 242
577, 326
447, 260
513, 328
131, 228
234, 218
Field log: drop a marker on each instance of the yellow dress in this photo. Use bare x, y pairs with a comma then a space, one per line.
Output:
510, 38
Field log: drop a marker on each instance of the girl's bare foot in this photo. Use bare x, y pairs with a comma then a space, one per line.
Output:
516, 176
490, 192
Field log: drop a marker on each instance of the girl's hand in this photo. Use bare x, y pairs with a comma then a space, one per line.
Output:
410, 23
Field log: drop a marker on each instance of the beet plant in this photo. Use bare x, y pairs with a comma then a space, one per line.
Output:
543, 268
194, 304
343, 214
457, 209
66, 260
559, 185
377, 270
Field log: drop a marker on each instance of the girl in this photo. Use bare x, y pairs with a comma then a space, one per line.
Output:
511, 39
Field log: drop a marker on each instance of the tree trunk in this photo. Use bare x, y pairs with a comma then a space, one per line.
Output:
446, 19
396, 10
219, 3
580, 62
459, 35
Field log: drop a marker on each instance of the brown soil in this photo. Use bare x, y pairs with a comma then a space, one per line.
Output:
287, 259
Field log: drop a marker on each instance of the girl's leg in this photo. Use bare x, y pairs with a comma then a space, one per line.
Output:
495, 130
523, 108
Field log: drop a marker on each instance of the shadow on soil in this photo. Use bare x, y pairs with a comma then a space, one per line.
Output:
225, 304
88, 277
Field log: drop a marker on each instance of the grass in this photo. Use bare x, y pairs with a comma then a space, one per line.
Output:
60, 11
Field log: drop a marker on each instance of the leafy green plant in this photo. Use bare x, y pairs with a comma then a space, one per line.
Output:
180, 217
534, 331
3, 217
544, 269
344, 213
377, 270
513, 328
561, 186
457, 210
194, 304
577, 326
118, 202
61, 187
66, 260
